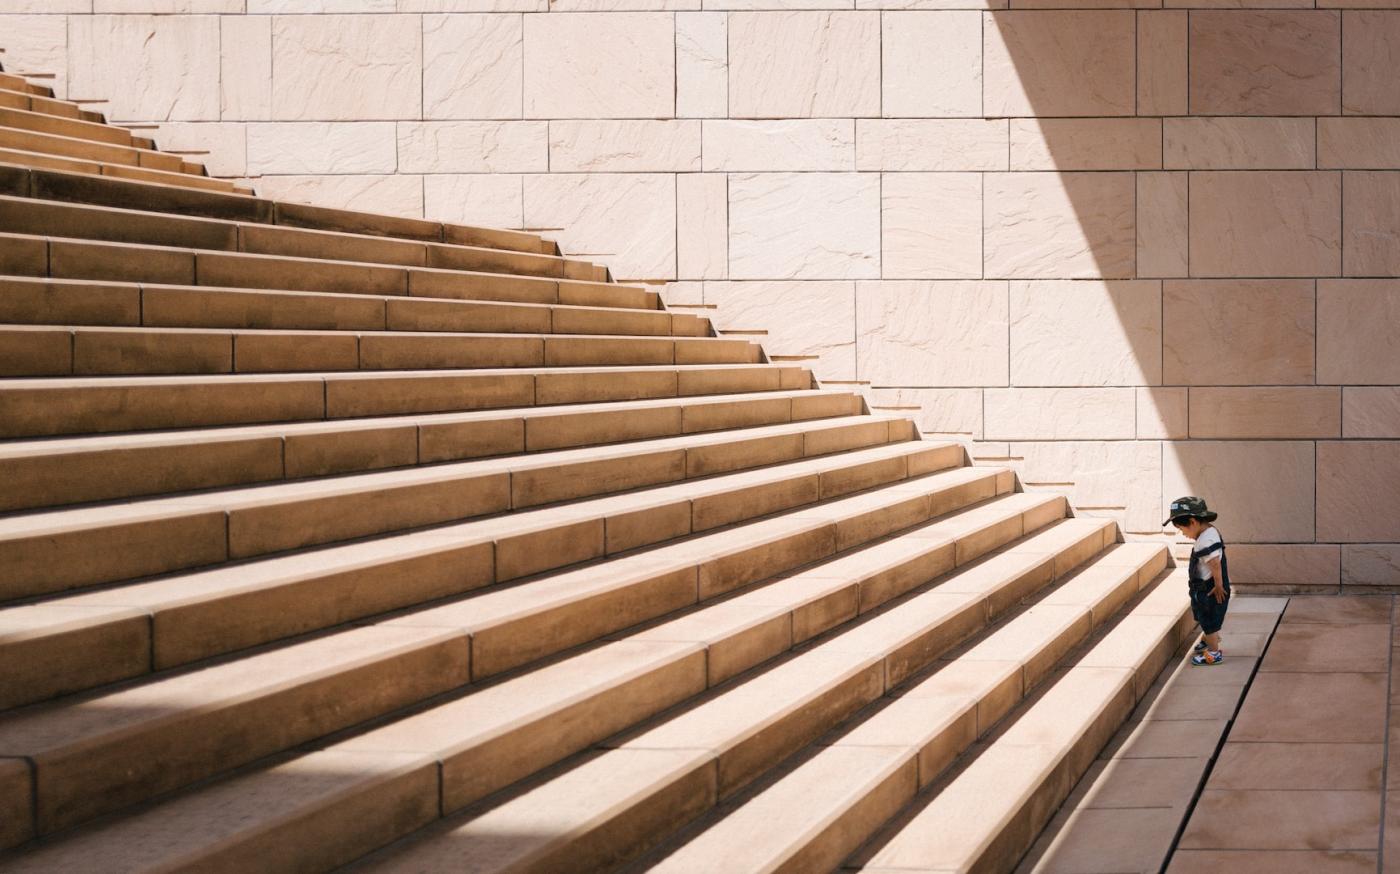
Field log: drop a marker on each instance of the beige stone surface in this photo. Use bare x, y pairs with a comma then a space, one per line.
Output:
1070, 333
1274, 861
154, 68
1271, 62
1060, 63
346, 67
1267, 223
930, 65
392, 195
1086, 144
1358, 143
791, 144
1355, 340
804, 64
1161, 413
225, 143
1371, 223
702, 64
1060, 414
620, 65
345, 148
1351, 506
1266, 412
37, 43
1058, 225
623, 146
490, 199
1227, 143
802, 318
1370, 53
245, 67
931, 333
1371, 411
702, 226
804, 226
953, 412
930, 226
1275, 820
1370, 564
473, 146
1162, 240
627, 220
473, 66
1161, 58
1118, 479
1284, 564
1263, 490
1238, 332
931, 144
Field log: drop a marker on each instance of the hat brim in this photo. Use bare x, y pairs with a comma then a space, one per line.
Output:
1208, 516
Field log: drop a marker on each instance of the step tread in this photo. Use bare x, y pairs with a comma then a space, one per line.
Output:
43, 122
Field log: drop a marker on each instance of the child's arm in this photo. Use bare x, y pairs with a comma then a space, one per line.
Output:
1217, 577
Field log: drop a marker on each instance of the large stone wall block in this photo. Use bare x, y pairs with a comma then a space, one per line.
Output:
245, 67
1086, 144
1089, 333
1161, 413
931, 226
626, 220
1371, 223
1284, 564
624, 146
931, 144
1265, 62
311, 147
225, 142
391, 195
931, 64
1259, 412
804, 64
1371, 411
1061, 63
1120, 479
801, 318
37, 43
468, 5
1226, 143
1060, 414
46, 6
151, 67
582, 65
938, 412
788, 144
804, 226
948, 334
1371, 564
304, 7
473, 146
702, 225
1238, 332
473, 66
493, 200
1356, 337
1370, 57
1161, 57
1358, 143
169, 7
1266, 223
1162, 237
702, 64
347, 67
1356, 498
1263, 490
1059, 225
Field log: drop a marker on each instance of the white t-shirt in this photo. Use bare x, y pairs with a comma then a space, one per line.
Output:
1209, 537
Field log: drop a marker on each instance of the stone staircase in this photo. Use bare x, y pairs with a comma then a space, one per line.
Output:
332, 539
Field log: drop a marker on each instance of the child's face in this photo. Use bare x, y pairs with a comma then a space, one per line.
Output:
1190, 527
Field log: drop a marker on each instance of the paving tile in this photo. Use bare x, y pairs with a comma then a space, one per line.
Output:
1306, 646
1119, 783
1334, 707
1298, 766
1101, 841
1276, 862
1338, 609
1390, 848
1167, 739
1196, 702
1235, 671
1284, 820
1257, 604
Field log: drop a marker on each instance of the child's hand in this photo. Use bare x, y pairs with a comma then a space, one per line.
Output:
1219, 593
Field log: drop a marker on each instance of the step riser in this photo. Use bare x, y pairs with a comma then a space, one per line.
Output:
25, 119
30, 141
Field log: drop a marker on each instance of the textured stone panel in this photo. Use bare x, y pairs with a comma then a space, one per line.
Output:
1060, 414
801, 318
152, 68
622, 5
392, 195
1358, 143
36, 44
495, 200
1371, 564
473, 147
347, 67
245, 67
226, 144
931, 333
1161, 413
319, 6
932, 4
1059, 225
1086, 144
1265, 62
1086, 333
1240, 332
931, 64
1371, 411
48, 6
473, 66
1266, 223
1354, 504
473, 5
702, 65
804, 226
938, 412
1356, 337
1161, 46
168, 7
1240, 143
702, 226
931, 226
623, 146
1371, 223
790, 144
1263, 491
1260, 412
310, 147
625, 220
1370, 57
1059, 63
1116, 479
1161, 224
1283, 564
804, 64
931, 144
579, 65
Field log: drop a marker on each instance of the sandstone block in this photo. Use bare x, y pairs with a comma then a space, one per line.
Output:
391, 195
1162, 224
1272, 62
1263, 491
1060, 413
472, 5
1161, 57
473, 146
1161, 413
931, 64
1266, 223
1370, 52
1240, 144
1285, 564
931, 226
488, 199
1266, 411
942, 412
38, 43
1086, 144
347, 67
702, 65
1371, 223
1061, 63
1086, 333
245, 67
315, 147
473, 66
702, 226
1371, 411
621, 65
1119, 479
623, 146
1352, 507
932, 333
802, 318
804, 64
1358, 143
804, 226
1251, 332
1371, 564
931, 144
152, 68
629, 219
1059, 225
789, 144
227, 144
305, 6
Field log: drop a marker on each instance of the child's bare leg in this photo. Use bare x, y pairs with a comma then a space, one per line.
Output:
1213, 640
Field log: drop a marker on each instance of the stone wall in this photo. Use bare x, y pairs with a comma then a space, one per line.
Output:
1137, 252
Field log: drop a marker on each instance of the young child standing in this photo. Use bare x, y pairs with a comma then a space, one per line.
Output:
1208, 575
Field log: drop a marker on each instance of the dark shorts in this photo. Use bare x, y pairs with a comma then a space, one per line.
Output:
1207, 611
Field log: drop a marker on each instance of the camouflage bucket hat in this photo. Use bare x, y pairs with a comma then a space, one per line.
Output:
1190, 506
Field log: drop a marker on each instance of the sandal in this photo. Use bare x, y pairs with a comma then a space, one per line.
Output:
1208, 657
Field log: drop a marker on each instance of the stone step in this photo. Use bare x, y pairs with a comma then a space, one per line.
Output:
57, 471
103, 405
986, 815
27, 215
817, 813
49, 350
484, 741
64, 258
73, 128
19, 139
12, 82
13, 99
97, 168
52, 550
25, 300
